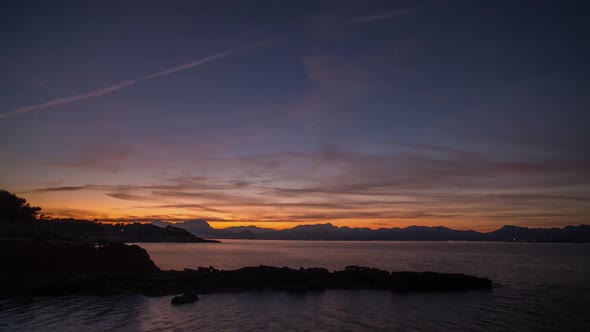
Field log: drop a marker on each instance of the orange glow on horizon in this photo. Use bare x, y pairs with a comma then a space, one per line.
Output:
94, 205
457, 224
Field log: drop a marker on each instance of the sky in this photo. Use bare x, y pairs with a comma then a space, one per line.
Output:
466, 114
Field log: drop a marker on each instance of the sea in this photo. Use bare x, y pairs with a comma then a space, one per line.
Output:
538, 287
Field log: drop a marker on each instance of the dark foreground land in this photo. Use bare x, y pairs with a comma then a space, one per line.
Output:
40, 256
46, 267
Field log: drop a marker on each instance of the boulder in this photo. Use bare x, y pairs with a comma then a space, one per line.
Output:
188, 297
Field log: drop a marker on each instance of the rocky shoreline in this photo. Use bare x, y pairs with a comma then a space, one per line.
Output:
35, 268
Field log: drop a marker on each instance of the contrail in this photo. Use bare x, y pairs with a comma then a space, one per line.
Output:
60, 101
124, 84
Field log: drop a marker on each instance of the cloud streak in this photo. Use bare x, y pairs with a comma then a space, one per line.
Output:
383, 16
423, 183
124, 84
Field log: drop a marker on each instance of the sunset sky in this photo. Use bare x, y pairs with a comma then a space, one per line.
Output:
373, 114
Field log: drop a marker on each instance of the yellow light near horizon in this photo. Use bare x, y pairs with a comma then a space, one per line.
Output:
96, 205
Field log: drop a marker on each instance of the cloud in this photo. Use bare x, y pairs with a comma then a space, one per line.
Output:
129, 197
210, 58
334, 84
124, 84
105, 157
61, 101
193, 207
65, 212
382, 16
424, 182
451, 151
56, 189
323, 217
339, 84
290, 175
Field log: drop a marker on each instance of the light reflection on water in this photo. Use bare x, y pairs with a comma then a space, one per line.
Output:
542, 287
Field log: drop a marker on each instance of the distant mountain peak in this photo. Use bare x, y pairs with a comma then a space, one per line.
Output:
327, 231
318, 226
201, 222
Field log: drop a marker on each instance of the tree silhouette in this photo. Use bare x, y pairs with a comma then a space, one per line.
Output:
16, 209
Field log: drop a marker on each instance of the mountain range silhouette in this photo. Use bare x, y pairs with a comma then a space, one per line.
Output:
327, 231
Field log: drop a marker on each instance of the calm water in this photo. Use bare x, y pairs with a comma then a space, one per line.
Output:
540, 287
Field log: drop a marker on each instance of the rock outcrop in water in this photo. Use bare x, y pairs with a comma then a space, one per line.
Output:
188, 297
58, 268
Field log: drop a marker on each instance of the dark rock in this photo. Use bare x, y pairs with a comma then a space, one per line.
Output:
433, 281
59, 268
188, 297
48, 256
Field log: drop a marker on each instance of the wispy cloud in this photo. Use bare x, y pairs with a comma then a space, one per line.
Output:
124, 84
424, 183
382, 16
104, 158
61, 101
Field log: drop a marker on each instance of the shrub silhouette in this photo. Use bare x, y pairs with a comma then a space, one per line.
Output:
16, 209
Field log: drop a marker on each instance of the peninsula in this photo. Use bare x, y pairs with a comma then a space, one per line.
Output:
47, 267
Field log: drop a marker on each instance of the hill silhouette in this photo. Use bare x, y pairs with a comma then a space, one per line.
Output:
20, 220
327, 231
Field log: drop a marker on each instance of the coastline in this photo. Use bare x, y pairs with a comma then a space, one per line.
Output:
41, 267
